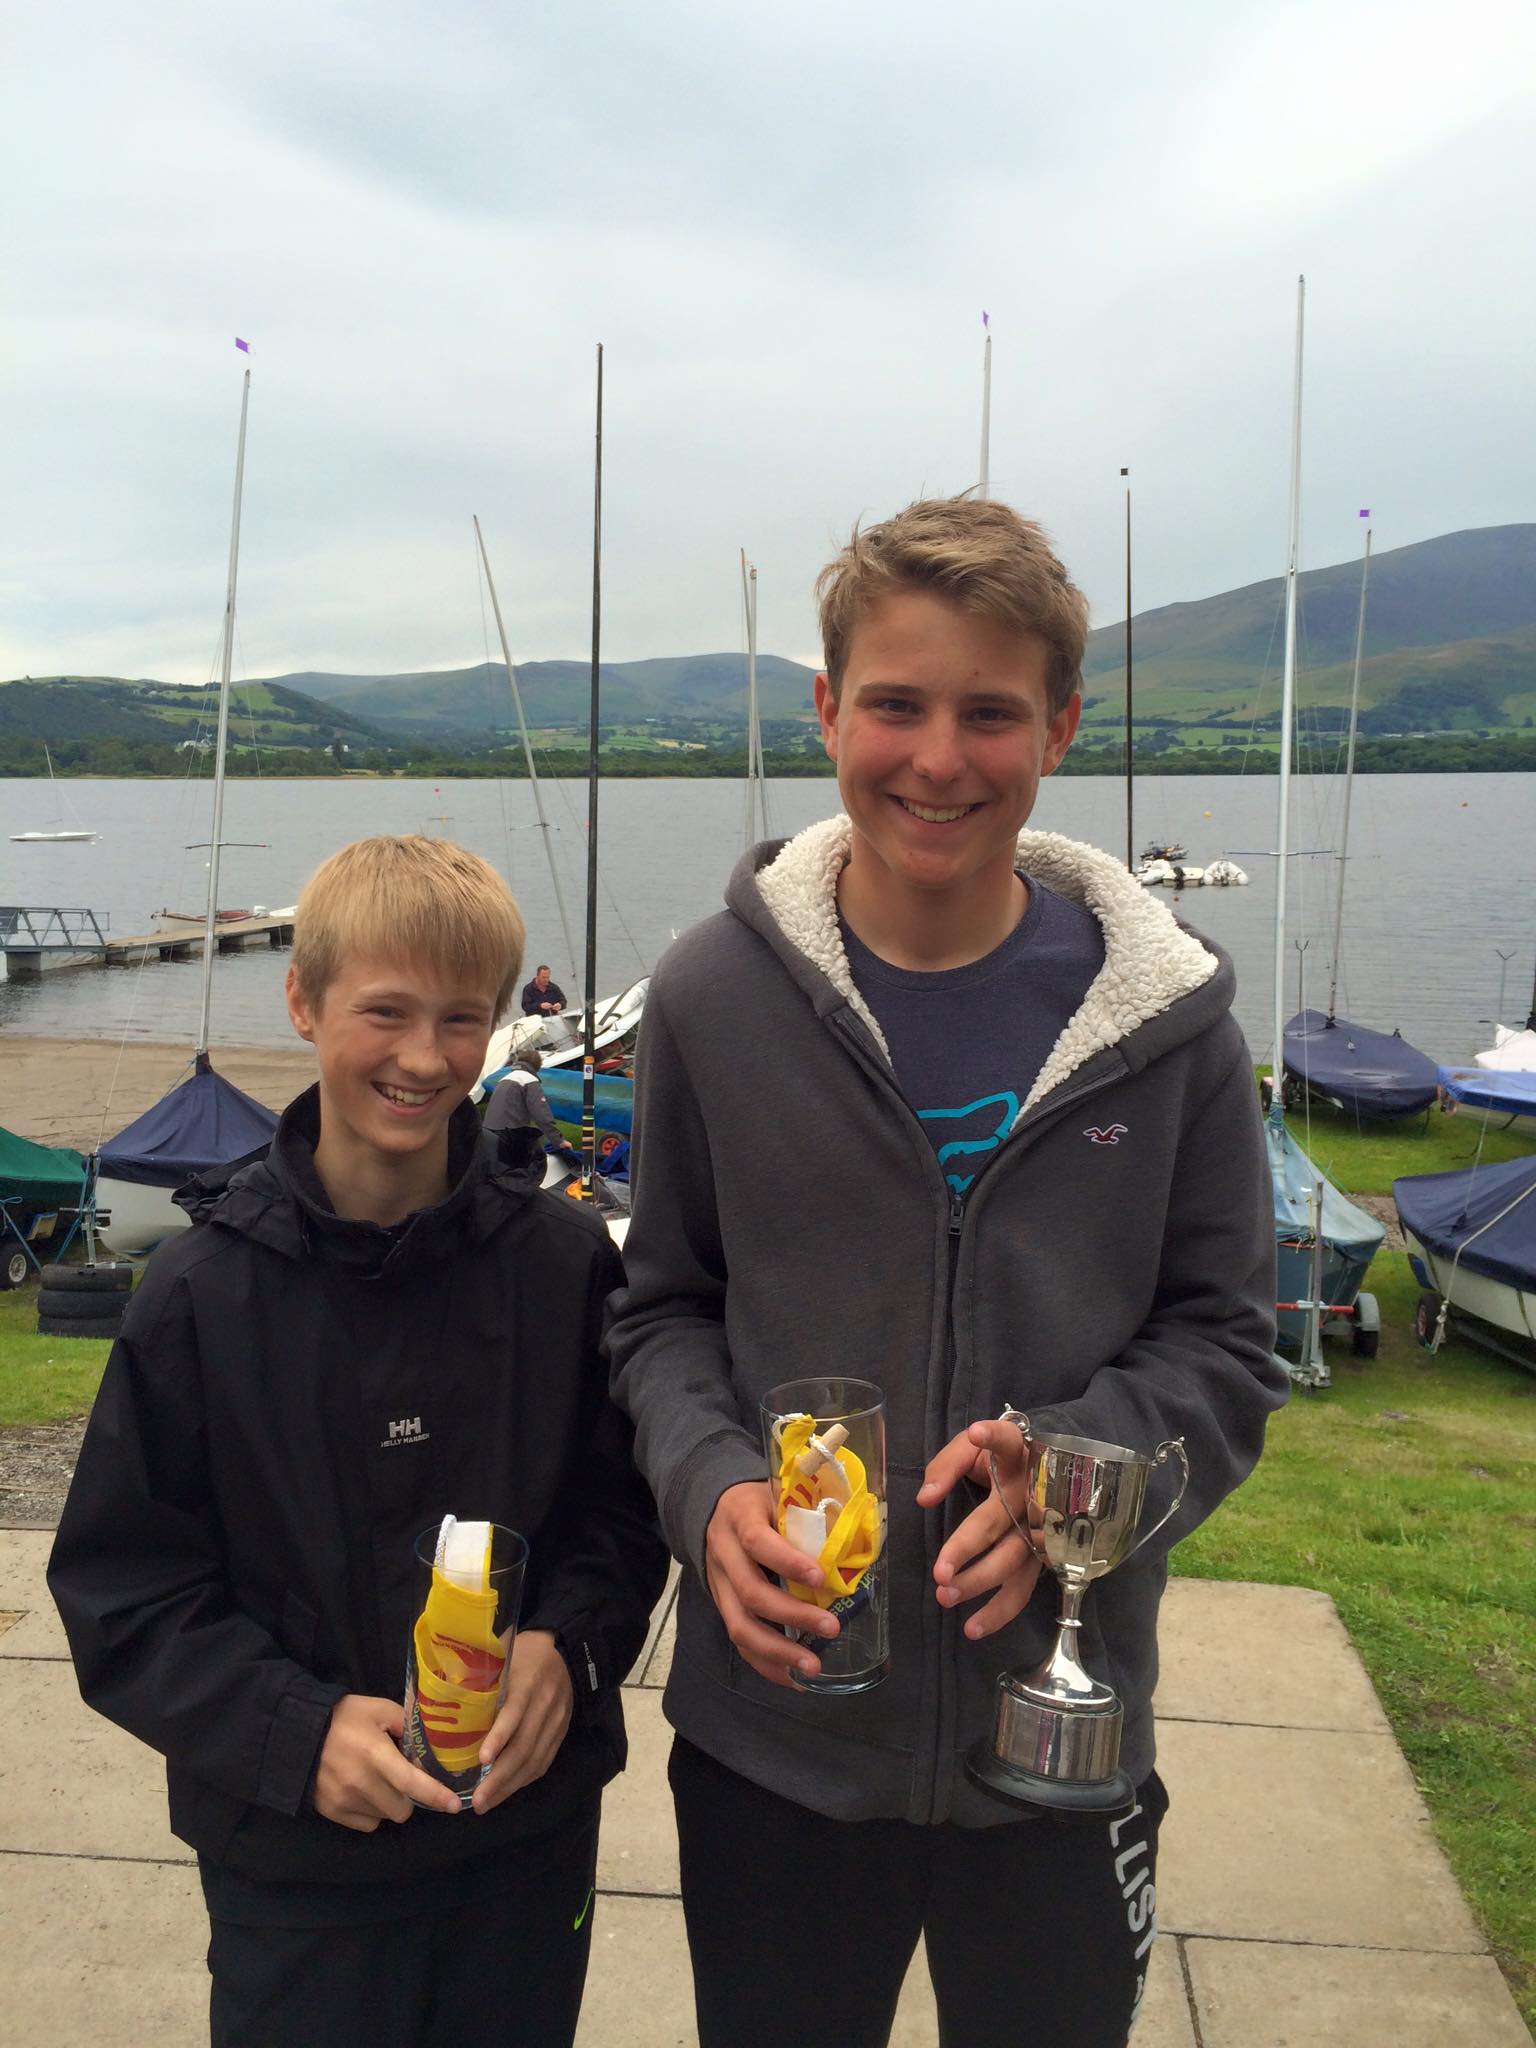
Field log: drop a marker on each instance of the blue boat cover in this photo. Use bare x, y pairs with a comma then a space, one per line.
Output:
1294, 1178
1506, 1092
1444, 1210
613, 1096
1374, 1073
204, 1121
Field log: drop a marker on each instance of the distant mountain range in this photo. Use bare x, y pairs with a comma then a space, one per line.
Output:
1450, 639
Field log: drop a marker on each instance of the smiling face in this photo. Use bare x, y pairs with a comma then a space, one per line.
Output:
941, 733
399, 1051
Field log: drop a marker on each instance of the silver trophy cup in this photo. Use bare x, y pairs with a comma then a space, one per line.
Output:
1056, 1740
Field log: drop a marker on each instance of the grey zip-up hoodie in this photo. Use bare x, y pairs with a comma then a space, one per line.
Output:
1111, 1272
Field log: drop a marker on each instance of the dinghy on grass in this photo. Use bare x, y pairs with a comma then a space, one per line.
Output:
1471, 1238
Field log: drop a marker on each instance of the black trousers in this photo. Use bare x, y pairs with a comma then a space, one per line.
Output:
506, 1971
801, 1928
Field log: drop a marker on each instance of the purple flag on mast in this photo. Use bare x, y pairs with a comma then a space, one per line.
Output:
1365, 512
242, 344
986, 319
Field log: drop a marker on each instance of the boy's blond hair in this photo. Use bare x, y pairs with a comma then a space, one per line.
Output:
981, 556
423, 900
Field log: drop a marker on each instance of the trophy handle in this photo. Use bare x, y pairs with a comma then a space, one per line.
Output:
1020, 1422
1160, 1457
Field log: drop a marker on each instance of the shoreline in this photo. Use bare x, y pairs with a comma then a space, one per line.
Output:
72, 1091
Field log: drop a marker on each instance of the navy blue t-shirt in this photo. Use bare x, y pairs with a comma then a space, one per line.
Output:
967, 1043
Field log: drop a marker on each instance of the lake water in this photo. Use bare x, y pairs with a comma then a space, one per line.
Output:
1442, 880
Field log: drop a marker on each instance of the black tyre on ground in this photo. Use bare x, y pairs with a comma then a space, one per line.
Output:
83, 1326
1425, 1315
1366, 1342
79, 1308
103, 1279
14, 1266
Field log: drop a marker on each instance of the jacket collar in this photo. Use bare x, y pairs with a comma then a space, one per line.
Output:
279, 1199
1151, 962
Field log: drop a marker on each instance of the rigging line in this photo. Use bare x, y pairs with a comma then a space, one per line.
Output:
602, 879
491, 700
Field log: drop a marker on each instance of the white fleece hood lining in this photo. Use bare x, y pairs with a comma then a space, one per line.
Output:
1149, 962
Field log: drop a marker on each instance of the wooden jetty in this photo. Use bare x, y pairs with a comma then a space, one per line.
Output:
178, 939
33, 938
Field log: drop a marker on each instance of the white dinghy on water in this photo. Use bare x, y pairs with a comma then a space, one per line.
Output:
205, 1121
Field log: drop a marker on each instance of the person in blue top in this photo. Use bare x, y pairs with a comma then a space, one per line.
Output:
950, 1105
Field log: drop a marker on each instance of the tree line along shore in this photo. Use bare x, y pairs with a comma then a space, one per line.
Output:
1158, 753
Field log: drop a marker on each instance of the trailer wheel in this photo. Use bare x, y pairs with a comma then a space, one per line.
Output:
1366, 1343
103, 1279
14, 1267
85, 1326
1425, 1316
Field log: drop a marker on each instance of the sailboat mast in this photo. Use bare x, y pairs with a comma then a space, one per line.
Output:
755, 798
984, 488
1349, 783
226, 660
1287, 719
589, 1046
1130, 757
533, 773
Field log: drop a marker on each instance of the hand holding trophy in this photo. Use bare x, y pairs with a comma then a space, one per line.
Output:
1055, 1744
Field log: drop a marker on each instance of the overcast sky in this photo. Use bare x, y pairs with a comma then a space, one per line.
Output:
783, 221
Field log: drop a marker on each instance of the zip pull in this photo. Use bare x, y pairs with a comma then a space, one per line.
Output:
956, 1213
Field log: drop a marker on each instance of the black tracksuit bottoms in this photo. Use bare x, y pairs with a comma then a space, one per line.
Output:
501, 1971
801, 1928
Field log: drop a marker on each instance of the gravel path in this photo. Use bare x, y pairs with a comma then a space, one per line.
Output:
36, 1466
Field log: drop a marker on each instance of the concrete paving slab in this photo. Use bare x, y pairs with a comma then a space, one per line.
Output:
637, 1851
24, 1591
639, 1986
1273, 1656
70, 1782
1281, 1834
1252, 1995
102, 1955
659, 1662
664, 1608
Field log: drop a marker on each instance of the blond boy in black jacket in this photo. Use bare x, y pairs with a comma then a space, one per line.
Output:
368, 1328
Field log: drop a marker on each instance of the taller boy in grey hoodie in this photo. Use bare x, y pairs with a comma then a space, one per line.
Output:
950, 1106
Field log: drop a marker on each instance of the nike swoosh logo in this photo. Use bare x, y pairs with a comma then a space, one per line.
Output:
586, 1907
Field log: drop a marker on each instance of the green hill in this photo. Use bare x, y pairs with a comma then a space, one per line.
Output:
1450, 645
1461, 608
476, 700
55, 708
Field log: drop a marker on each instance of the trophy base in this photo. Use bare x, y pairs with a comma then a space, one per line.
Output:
1065, 1798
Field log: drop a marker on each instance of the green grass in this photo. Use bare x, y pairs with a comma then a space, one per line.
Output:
1366, 1158
1405, 1493
43, 1379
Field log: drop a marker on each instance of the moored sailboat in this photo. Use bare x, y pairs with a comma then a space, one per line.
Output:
1323, 1243
1375, 1076
205, 1121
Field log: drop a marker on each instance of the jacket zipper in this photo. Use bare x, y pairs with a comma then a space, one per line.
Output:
947, 1673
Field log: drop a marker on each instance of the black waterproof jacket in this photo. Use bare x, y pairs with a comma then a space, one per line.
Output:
295, 1398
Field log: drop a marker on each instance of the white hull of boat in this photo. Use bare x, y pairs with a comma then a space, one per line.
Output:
559, 1040
140, 1217
1167, 874
1475, 1294
51, 838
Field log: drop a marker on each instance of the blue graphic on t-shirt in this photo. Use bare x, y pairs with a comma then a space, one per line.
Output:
988, 1139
